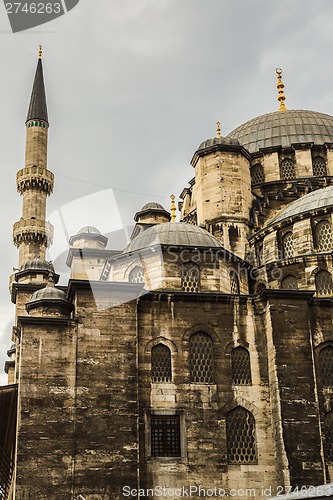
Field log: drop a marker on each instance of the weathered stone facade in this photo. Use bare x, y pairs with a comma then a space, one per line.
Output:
200, 358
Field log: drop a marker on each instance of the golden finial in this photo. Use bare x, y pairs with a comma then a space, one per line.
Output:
173, 208
218, 130
40, 52
280, 87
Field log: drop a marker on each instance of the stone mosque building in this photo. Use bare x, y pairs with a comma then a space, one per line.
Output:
200, 356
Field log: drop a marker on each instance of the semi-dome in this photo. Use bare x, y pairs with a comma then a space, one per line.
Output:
38, 264
321, 198
283, 128
173, 233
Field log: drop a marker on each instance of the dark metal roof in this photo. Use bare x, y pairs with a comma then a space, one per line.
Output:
283, 128
38, 108
321, 198
175, 234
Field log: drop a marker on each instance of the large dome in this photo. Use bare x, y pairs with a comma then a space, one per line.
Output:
173, 233
321, 198
283, 128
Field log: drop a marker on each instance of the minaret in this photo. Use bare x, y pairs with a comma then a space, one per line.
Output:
32, 234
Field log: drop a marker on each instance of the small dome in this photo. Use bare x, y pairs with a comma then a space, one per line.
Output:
218, 141
152, 206
283, 128
321, 198
38, 264
49, 292
173, 233
89, 230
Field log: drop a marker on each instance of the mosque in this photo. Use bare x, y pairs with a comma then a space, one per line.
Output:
199, 358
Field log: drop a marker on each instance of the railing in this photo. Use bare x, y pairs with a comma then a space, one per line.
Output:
6, 474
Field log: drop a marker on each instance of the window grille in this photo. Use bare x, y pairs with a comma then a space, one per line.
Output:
288, 249
326, 366
136, 275
257, 174
234, 282
328, 436
190, 277
324, 285
241, 366
161, 363
319, 166
165, 435
289, 283
324, 239
201, 358
287, 169
241, 440
106, 271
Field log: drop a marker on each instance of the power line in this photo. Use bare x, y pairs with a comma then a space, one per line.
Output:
110, 187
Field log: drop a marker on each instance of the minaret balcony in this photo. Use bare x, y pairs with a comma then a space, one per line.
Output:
35, 178
32, 230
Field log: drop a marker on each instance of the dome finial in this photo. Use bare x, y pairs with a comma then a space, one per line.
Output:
40, 52
280, 87
173, 208
218, 129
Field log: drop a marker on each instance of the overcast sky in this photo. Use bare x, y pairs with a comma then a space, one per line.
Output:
133, 87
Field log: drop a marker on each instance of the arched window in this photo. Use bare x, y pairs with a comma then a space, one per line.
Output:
241, 439
257, 174
289, 283
234, 282
326, 366
324, 239
190, 277
328, 436
136, 275
287, 169
201, 359
319, 166
288, 249
324, 285
161, 363
241, 366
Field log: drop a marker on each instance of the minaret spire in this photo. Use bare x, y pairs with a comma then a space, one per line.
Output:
32, 233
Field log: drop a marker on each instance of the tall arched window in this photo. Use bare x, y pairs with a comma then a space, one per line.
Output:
328, 436
324, 237
287, 169
241, 366
190, 275
326, 366
324, 284
289, 283
288, 248
257, 174
201, 358
319, 166
234, 282
161, 363
241, 438
136, 275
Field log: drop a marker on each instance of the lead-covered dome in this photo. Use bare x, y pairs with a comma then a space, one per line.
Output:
37, 263
283, 128
173, 233
321, 198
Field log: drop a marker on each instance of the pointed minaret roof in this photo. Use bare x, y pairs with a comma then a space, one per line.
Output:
38, 108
